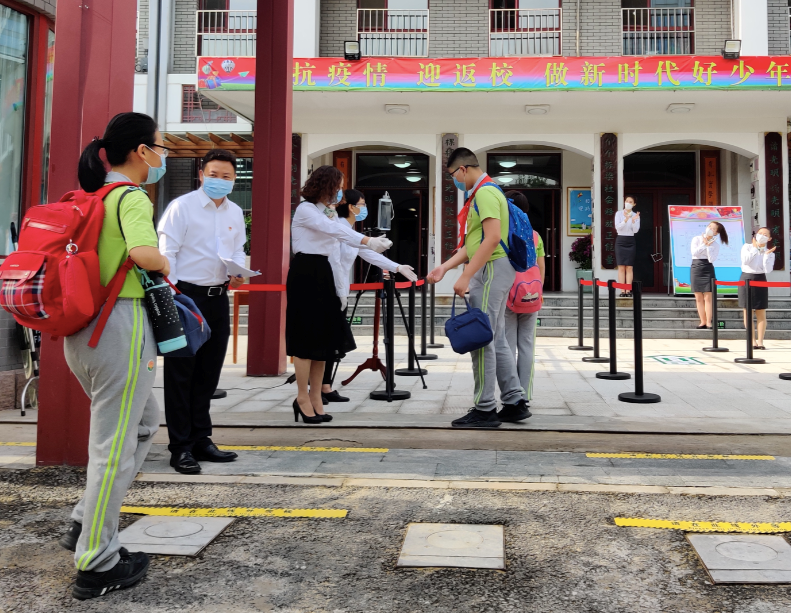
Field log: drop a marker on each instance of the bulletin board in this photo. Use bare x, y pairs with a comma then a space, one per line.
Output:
687, 222
580, 211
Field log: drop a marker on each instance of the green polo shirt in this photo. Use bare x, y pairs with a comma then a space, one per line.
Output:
491, 204
137, 219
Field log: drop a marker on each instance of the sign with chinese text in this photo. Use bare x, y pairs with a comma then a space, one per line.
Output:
580, 213
774, 196
687, 222
296, 170
510, 73
710, 178
609, 198
450, 201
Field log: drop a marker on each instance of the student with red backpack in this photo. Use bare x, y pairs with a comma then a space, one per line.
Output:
522, 307
118, 373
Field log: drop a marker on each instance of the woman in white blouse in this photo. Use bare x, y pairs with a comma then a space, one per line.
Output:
627, 224
705, 251
316, 327
351, 210
757, 262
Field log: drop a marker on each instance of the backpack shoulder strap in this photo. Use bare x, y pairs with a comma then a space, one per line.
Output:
116, 285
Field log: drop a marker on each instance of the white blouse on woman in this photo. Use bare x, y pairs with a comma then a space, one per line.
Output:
702, 251
314, 233
343, 258
626, 227
757, 261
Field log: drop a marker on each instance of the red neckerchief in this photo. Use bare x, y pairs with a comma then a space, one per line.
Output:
465, 211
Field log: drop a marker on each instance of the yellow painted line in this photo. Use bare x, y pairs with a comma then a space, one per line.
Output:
17, 444
235, 512
269, 448
679, 456
705, 526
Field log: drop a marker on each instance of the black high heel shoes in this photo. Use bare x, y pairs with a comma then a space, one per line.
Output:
308, 419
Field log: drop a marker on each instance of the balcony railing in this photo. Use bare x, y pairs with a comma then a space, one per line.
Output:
789, 26
225, 33
385, 32
667, 31
525, 32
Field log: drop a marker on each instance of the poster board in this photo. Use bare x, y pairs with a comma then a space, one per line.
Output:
687, 222
580, 211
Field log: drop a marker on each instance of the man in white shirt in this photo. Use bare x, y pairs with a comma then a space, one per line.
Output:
194, 233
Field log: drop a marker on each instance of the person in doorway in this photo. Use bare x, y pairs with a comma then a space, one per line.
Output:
627, 224
521, 319
758, 260
316, 328
118, 375
351, 210
705, 251
195, 231
488, 276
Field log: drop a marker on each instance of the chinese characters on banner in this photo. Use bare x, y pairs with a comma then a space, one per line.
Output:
774, 196
609, 198
510, 73
450, 198
710, 178
296, 170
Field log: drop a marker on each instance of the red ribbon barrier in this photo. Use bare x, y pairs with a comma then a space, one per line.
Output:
732, 283
260, 287
624, 286
769, 284
585, 282
601, 283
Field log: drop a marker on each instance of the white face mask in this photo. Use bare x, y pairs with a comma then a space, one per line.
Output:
761, 239
709, 232
629, 206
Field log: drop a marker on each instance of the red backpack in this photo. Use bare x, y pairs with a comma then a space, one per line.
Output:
526, 295
52, 282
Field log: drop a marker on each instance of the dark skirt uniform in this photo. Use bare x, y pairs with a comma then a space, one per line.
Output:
701, 275
758, 295
625, 250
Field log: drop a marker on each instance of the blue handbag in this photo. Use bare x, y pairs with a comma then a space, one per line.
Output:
468, 331
195, 327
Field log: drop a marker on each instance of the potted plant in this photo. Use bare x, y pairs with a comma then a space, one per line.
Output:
582, 255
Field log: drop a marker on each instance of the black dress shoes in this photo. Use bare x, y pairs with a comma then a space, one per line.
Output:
184, 463
218, 394
210, 453
333, 396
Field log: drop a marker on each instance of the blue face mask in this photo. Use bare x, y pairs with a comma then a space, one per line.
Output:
338, 197
217, 188
362, 214
459, 184
155, 174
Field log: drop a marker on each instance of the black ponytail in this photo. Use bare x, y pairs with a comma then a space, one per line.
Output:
124, 134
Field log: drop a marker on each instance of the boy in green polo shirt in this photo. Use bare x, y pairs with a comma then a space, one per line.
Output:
488, 276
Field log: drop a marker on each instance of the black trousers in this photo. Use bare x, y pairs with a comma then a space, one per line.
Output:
190, 382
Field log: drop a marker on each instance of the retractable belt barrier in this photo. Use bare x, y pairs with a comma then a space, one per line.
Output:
613, 374
715, 333
261, 287
424, 355
596, 357
639, 396
433, 344
747, 284
580, 306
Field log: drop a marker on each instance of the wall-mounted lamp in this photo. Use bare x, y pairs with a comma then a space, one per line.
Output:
732, 49
351, 50
678, 108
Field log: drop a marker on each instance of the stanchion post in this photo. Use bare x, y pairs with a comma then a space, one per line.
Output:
595, 358
749, 330
638, 396
390, 393
432, 344
411, 370
580, 323
715, 320
423, 355
612, 374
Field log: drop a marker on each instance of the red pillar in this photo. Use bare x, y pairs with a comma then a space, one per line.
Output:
270, 240
94, 80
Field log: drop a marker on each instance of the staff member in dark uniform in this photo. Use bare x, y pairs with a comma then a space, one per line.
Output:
757, 262
316, 326
627, 224
705, 251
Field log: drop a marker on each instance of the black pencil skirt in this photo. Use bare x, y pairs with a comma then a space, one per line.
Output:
316, 328
759, 296
625, 250
701, 275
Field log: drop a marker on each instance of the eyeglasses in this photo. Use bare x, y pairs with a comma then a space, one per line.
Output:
165, 150
463, 166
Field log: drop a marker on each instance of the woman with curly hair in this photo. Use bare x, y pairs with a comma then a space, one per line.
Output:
316, 327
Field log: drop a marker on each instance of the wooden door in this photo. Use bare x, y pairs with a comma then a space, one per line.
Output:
342, 160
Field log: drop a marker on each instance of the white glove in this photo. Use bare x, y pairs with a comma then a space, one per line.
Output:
344, 302
380, 244
407, 271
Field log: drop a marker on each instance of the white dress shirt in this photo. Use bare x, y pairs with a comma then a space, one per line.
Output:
757, 261
702, 251
626, 227
194, 233
342, 260
312, 232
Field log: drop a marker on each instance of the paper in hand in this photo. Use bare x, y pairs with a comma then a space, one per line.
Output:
234, 270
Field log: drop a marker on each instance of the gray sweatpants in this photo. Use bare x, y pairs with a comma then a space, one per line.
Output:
118, 377
520, 331
494, 363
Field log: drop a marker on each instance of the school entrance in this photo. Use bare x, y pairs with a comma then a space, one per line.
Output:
658, 180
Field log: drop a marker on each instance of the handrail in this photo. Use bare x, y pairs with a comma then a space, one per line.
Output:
525, 32
658, 31
229, 32
393, 32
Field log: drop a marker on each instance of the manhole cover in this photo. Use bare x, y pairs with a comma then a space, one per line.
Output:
174, 536
744, 558
453, 545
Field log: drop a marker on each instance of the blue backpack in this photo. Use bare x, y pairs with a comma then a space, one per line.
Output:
521, 249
